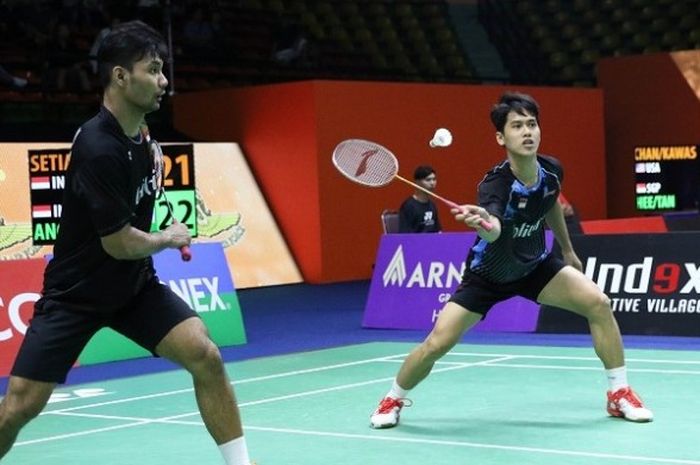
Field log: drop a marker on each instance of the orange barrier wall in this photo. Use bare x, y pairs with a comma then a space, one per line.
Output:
646, 224
648, 101
288, 132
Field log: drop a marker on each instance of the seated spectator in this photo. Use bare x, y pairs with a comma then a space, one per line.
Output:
418, 213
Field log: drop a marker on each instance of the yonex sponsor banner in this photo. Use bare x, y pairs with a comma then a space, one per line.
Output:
204, 283
20, 287
653, 281
415, 274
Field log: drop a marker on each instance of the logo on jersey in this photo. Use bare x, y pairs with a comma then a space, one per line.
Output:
522, 203
147, 188
526, 229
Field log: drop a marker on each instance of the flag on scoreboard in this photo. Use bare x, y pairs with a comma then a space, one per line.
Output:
40, 182
41, 211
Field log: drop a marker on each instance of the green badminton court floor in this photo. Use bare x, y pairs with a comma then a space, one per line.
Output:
483, 404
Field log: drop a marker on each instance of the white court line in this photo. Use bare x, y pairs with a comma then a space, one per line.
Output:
388, 358
566, 367
136, 422
139, 422
565, 357
452, 366
237, 382
380, 437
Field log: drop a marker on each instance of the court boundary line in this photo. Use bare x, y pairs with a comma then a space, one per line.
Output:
390, 358
496, 362
381, 437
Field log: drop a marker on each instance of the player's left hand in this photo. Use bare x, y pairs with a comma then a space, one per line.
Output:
570, 258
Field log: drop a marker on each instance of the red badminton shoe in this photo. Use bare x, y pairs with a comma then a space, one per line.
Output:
625, 403
387, 414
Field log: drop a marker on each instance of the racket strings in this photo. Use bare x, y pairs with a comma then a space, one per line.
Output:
366, 163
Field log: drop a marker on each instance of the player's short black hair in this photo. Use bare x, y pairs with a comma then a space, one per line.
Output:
422, 172
126, 44
522, 104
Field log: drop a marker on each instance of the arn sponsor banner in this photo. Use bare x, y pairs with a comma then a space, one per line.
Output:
204, 283
415, 274
653, 281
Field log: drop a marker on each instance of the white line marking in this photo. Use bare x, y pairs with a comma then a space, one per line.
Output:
242, 381
564, 357
495, 362
477, 445
380, 437
139, 422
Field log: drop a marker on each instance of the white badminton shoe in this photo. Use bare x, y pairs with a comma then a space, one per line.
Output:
388, 412
625, 403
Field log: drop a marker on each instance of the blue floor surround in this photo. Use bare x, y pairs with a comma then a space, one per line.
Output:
304, 317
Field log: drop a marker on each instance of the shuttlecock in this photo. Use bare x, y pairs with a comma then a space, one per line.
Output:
442, 138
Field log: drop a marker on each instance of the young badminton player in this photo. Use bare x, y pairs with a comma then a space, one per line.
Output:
517, 197
102, 273
418, 213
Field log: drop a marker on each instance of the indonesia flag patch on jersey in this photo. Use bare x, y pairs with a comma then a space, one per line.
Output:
522, 203
40, 183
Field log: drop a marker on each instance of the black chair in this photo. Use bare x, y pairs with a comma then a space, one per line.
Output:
390, 221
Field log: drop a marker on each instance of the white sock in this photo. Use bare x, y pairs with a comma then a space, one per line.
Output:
397, 392
617, 378
235, 452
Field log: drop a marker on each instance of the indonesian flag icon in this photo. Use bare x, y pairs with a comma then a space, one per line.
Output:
40, 182
41, 211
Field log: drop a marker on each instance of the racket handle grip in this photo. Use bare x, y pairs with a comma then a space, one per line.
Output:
185, 253
483, 223
486, 225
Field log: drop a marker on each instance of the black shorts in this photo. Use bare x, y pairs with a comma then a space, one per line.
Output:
478, 295
57, 333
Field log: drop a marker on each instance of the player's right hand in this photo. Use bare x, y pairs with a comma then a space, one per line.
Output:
178, 235
471, 215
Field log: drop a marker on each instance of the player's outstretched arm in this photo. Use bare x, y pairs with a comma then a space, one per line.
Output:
475, 217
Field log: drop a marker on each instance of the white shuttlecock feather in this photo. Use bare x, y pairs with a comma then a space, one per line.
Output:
442, 138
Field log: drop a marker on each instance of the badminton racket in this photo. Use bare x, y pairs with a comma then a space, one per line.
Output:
158, 171
373, 165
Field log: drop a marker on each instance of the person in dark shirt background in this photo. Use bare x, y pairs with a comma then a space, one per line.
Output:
418, 213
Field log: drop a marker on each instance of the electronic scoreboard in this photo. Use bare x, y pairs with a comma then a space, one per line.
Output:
667, 178
47, 177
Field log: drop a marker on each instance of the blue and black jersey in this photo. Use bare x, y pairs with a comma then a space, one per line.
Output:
521, 210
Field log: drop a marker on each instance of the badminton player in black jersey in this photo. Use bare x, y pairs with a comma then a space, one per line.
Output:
101, 274
517, 197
